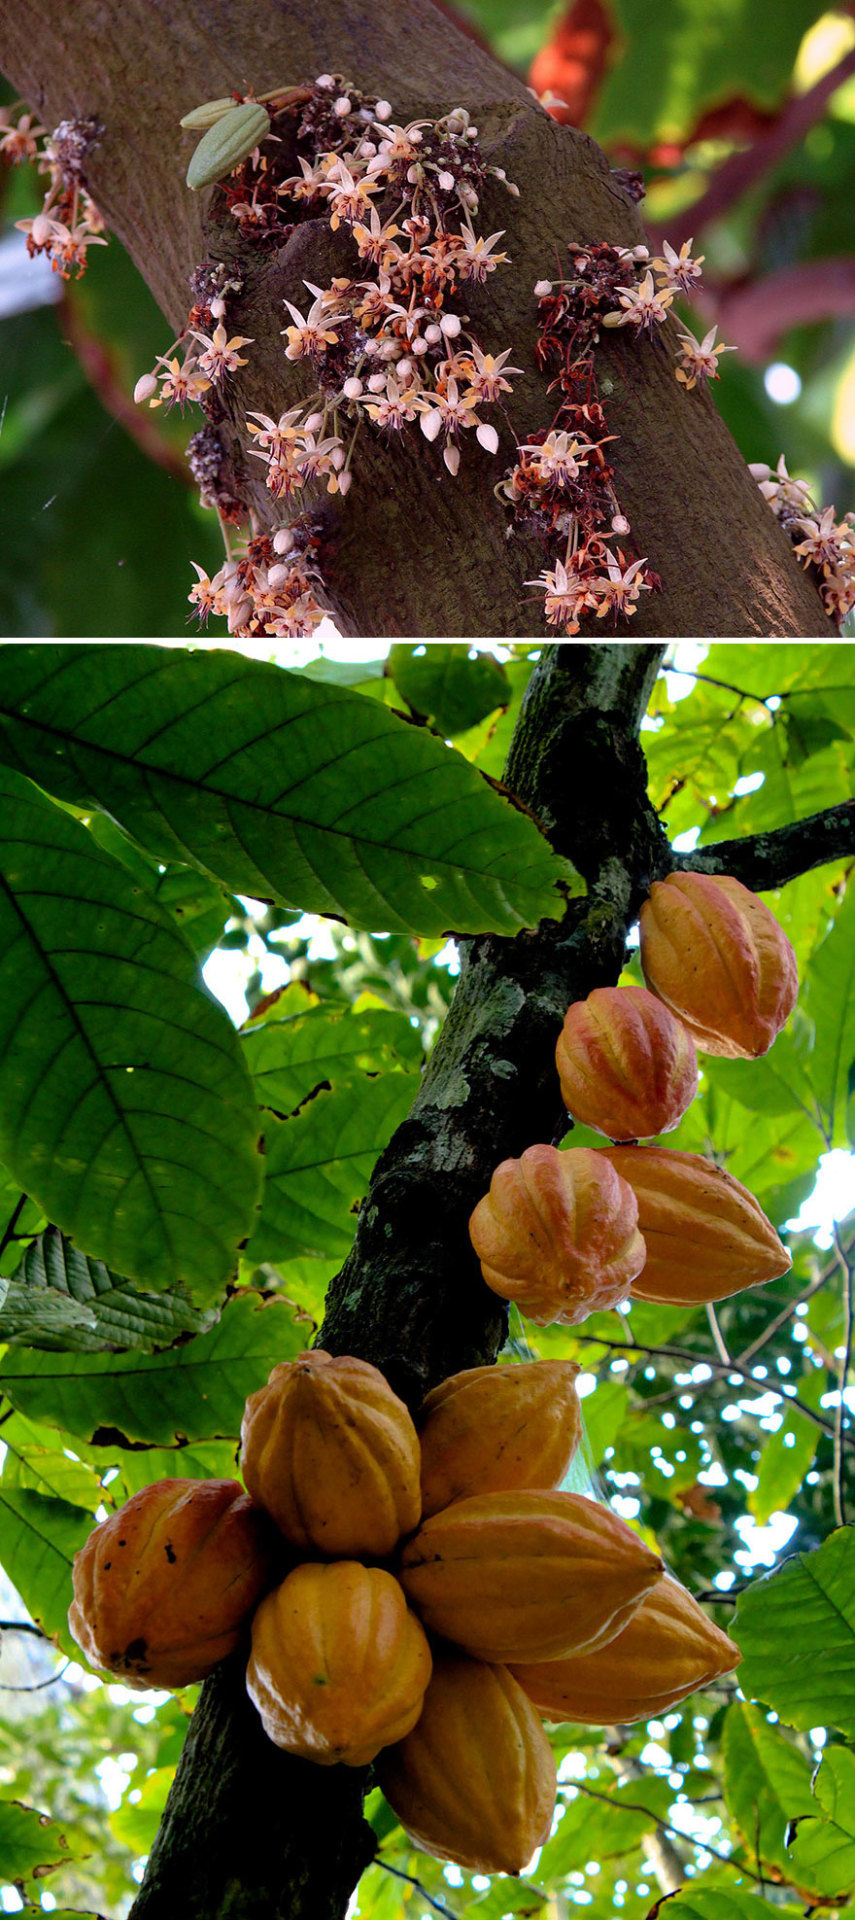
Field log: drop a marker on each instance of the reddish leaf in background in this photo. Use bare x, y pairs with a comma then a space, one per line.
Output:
574, 61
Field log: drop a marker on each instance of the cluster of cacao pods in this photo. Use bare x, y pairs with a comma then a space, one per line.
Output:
568, 1232
441, 1594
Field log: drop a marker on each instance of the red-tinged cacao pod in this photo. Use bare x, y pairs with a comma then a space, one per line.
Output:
558, 1234
163, 1587
668, 1650
332, 1454
627, 1067
475, 1780
706, 1235
718, 958
339, 1664
548, 1572
491, 1429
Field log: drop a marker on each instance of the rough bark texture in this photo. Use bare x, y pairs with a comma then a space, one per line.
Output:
411, 551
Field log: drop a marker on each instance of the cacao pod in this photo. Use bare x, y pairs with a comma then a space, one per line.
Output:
706, 1235
558, 1234
548, 1572
163, 1587
627, 1067
665, 1652
718, 958
339, 1664
475, 1780
332, 1454
491, 1429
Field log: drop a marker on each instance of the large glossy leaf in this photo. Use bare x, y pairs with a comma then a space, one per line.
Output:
766, 1783
191, 1392
319, 1164
37, 1459
822, 1850
278, 785
453, 686
125, 1105
60, 1298
39, 1537
796, 1629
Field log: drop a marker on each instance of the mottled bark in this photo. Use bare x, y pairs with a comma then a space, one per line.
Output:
411, 551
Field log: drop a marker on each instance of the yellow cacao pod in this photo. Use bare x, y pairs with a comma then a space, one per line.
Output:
339, 1664
162, 1588
627, 1067
558, 1234
548, 1572
332, 1454
475, 1780
491, 1429
665, 1652
706, 1235
718, 958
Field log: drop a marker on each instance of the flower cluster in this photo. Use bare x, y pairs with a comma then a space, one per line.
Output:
69, 222
820, 540
266, 584
561, 488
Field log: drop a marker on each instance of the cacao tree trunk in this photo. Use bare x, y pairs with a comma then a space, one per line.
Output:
412, 551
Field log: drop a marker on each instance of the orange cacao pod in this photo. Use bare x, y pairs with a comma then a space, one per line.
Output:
332, 1454
494, 1428
162, 1588
665, 1652
545, 1572
626, 1066
475, 1780
718, 958
339, 1664
558, 1234
706, 1235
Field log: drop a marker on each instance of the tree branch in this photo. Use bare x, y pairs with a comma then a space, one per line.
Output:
411, 551
765, 860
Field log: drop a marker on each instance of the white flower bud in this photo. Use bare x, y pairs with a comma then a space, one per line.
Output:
344, 481
450, 325
487, 438
446, 181
217, 308
542, 288
283, 541
278, 576
620, 524
451, 456
144, 388
433, 333
352, 388
342, 107
325, 80
377, 383
41, 230
418, 345
314, 422
382, 110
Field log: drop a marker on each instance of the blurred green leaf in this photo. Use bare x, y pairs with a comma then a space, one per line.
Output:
796, 1629
39, 1538
766, 1783
452, 686
31, 1844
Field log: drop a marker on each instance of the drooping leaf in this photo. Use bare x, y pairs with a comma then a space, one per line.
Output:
136, 1821
452, 686
31, 1844
125, 1106
796, 1629
318, 1165
822, 1850
279, 786
766, 1783
39, 1537
191, 1392
61, 1299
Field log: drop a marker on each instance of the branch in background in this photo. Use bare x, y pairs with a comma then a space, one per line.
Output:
744, 169
765, 860
715, 1366
755, 314
97, 363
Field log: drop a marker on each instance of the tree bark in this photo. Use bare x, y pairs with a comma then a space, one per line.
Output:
413, 551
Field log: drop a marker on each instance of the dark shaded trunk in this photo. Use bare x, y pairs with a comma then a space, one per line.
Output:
413, 551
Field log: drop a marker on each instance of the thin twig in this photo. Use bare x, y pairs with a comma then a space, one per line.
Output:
37, 1685
848, 1266
674, 1833
782, 1318
21, 1626
716, 1367
411, 1878
718, 1336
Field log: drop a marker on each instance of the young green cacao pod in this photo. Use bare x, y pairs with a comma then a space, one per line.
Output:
667, 1651
706, 1235
163, 1587
558, 1234
230, 138
717, 957
491, 1429
475, 1780
332, 1454
549, 1572
339, 1664
626, 1066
